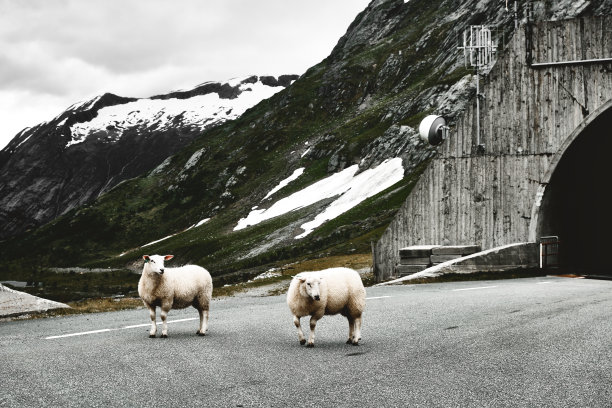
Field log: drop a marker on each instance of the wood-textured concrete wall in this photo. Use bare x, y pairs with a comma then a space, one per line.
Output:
527, 114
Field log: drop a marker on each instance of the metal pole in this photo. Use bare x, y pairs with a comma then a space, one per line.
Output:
515, 14
477, 105
478, 92
574, 62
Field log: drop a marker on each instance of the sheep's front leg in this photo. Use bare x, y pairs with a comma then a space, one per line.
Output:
203, 322
313, 324
296, 322
164, 314
153, 324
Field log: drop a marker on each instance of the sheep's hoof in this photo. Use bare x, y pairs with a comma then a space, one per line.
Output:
349, 341
310, 345
201, 334
164, 336
355, 343
151, 336
302, 342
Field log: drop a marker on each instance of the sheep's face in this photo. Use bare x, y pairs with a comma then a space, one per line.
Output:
311, 286
155, 263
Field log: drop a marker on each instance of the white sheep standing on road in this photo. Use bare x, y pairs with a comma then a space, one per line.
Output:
174, 288
327, 292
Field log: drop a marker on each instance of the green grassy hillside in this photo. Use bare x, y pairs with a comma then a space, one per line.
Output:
362, 105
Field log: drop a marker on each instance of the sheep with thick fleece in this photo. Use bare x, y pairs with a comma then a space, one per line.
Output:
174, 288
327, 292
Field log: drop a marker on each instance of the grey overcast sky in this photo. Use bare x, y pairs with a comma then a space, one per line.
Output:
54, 53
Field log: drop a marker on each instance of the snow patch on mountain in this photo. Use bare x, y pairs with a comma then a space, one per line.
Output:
297, 173
361, 187
199, 223
20, 134
350, 187
158, 240
196, 225
158, 114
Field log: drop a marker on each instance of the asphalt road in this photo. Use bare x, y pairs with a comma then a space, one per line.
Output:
538, 342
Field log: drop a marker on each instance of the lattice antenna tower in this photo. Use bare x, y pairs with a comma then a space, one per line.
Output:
479, 50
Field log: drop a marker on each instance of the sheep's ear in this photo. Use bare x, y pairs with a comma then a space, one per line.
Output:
146, 258
301, 278
168, 257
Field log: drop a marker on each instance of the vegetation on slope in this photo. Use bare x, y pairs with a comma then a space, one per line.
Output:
360, 105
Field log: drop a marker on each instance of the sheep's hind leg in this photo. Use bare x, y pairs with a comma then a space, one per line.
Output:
203, 322
351, 323
296, 322
357, 332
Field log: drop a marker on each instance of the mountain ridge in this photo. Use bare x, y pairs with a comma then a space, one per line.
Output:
82, 160
397, 63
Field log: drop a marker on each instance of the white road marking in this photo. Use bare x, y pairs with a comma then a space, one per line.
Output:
378, 297
136, 325
79, 334
120, 328
480, 287
541, 283
183, 320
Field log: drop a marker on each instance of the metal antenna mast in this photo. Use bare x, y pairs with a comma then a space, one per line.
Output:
515, 13
478, 50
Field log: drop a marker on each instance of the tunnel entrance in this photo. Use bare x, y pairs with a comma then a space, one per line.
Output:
577, 204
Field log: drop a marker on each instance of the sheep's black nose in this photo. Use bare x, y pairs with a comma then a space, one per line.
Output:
317, 297
161, 271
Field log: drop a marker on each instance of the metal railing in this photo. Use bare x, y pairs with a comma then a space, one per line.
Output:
549, 252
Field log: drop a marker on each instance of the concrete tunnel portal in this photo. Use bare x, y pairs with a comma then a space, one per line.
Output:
547, 123
577, 202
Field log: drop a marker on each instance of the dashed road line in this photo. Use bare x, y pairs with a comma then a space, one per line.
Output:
120, 328
378, 297
79, 334
137, 325
476, 288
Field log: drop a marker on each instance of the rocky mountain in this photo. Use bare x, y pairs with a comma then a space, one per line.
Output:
318, 168
85, 151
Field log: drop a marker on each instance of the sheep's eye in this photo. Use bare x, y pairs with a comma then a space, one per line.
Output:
308, 284
152, 261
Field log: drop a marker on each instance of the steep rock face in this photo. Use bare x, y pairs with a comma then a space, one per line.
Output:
54, 167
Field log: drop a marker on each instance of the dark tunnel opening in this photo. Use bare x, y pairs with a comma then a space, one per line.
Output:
577, 203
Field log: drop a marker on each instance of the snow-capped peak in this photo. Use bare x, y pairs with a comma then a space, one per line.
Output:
206, 105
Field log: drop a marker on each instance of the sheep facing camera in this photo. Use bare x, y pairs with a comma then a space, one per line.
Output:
433, 129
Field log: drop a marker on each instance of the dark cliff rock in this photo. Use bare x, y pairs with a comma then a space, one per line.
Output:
283, 80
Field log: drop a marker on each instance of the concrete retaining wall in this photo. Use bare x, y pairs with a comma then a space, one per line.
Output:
510, 257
